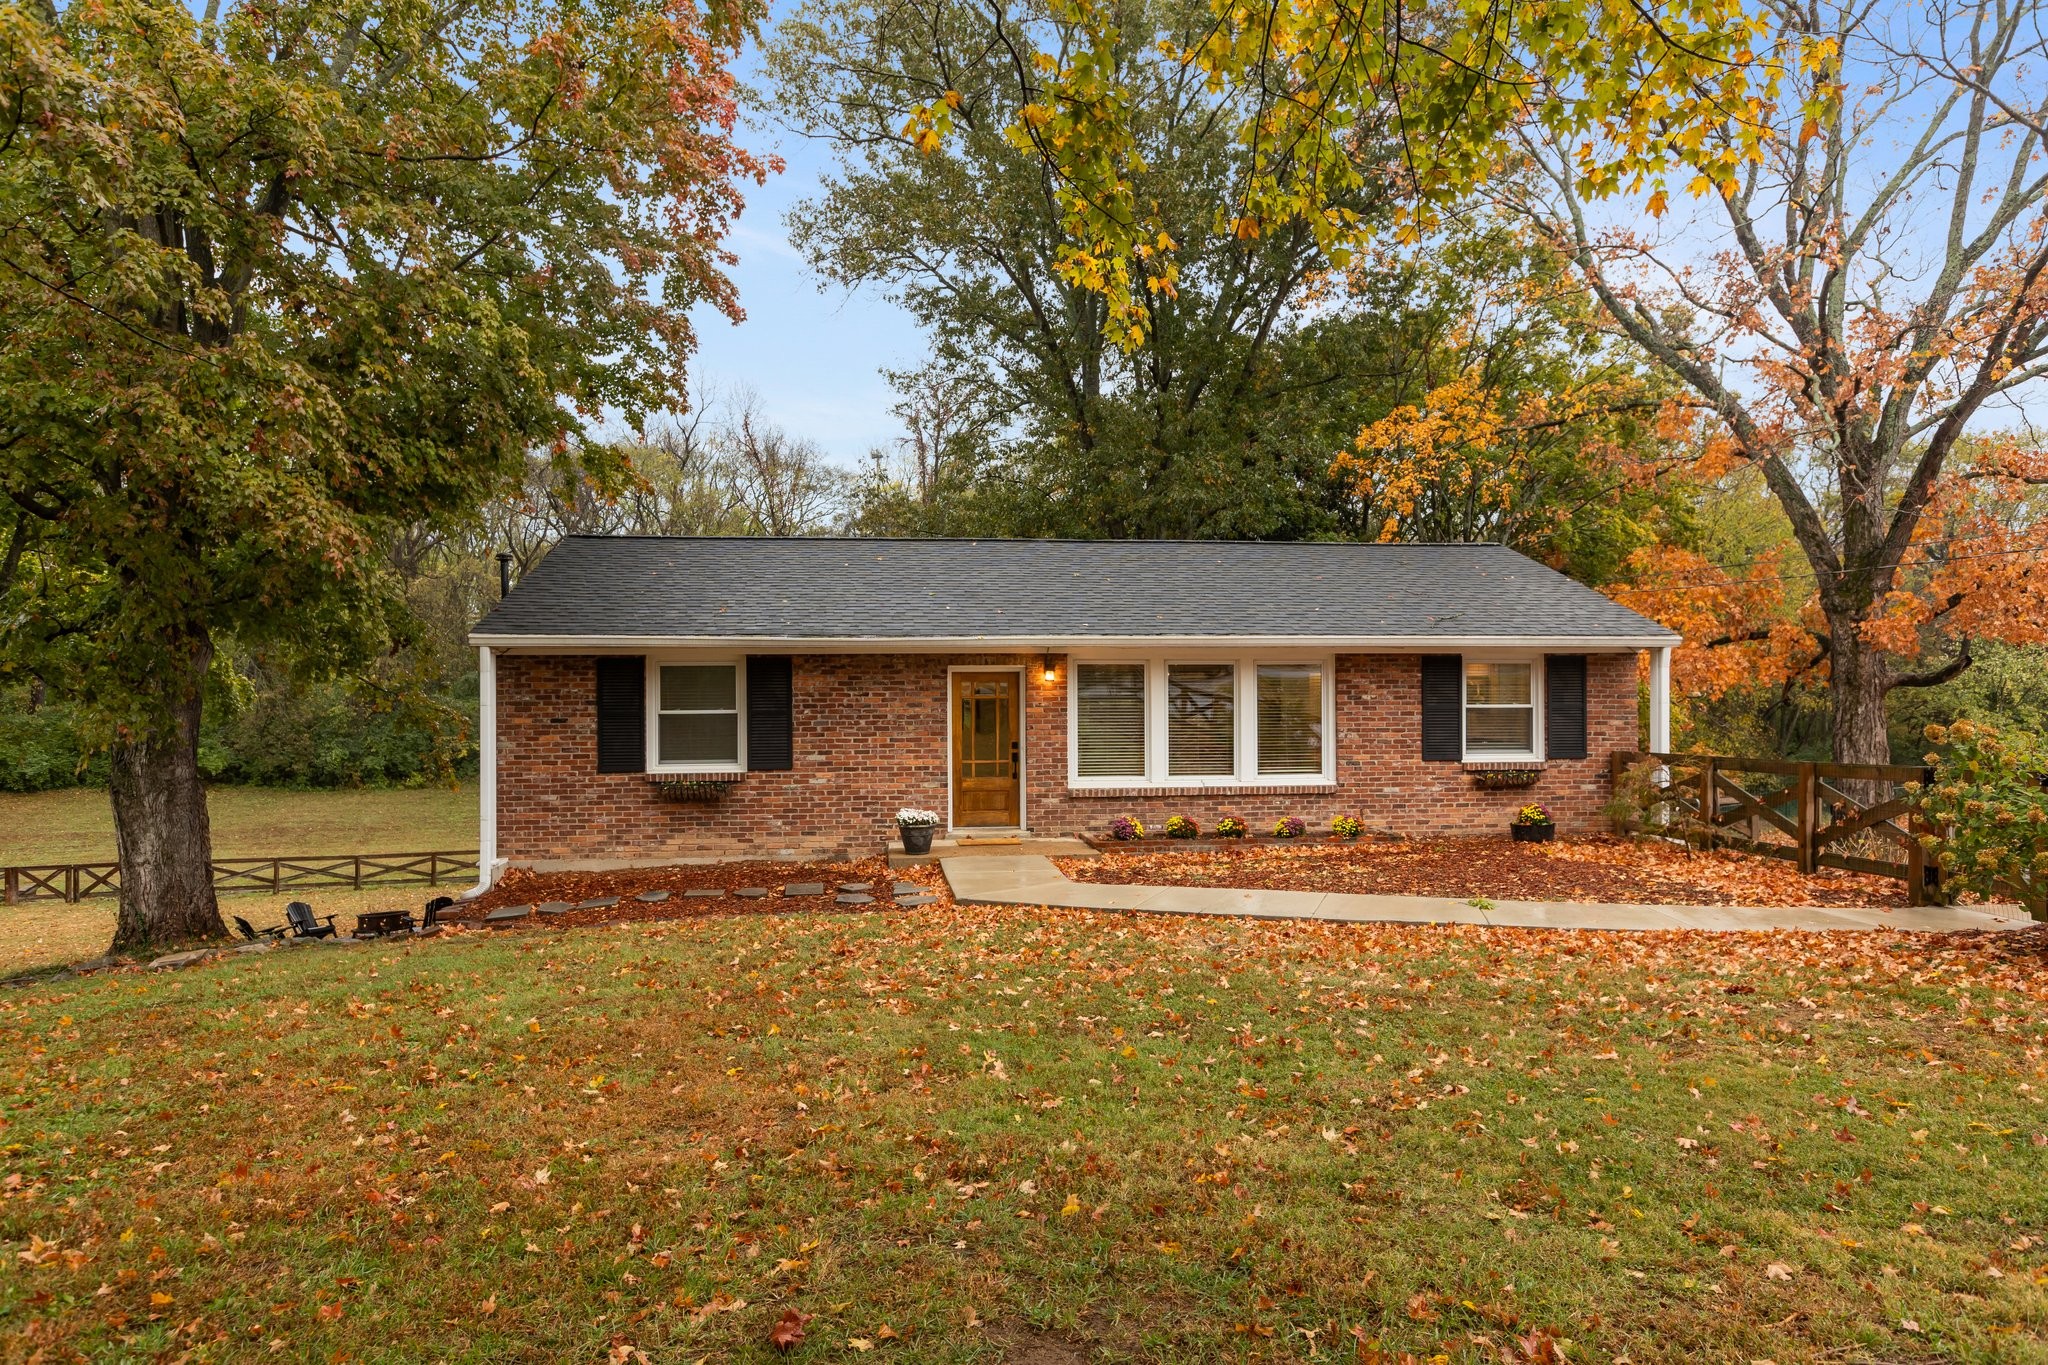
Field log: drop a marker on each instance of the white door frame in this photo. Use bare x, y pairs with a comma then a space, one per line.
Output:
1023, 750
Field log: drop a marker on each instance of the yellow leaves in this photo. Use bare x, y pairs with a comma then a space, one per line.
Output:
1071, 1207
1657, 204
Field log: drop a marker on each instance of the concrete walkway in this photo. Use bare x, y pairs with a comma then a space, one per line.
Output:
1032, 880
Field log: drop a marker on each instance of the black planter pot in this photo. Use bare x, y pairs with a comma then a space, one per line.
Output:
916, 838
1533, 834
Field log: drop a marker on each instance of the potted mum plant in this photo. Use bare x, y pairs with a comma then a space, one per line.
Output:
1293, 827
1232, 827
916, 826
1126, 829
1533, 825
1181, 827
1346, 826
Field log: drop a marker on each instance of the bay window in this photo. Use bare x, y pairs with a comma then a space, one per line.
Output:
1199, 722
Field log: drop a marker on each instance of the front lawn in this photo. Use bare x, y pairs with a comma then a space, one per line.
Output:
1595, 868
979, 1134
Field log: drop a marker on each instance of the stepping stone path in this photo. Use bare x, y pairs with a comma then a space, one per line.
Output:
916, 900
854, 898
554, 907
804, 889
505, 914
652, 897
908, 889
752, 893
598, 903
853, 888
705, 893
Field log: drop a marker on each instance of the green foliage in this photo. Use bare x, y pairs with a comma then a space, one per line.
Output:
288, 277
2005, 688
1254, 372
321, 734
1988, 804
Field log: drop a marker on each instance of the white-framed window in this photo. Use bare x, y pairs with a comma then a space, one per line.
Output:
1199, 720
695, 715
1290, 724
1109, 720
1502, 698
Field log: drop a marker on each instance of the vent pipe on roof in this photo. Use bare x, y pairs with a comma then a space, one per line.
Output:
504, 572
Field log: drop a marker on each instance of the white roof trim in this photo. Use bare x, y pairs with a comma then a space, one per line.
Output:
1060, 644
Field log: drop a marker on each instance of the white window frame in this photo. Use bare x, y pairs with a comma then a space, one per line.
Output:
1534, 754
1246, 700
657, 662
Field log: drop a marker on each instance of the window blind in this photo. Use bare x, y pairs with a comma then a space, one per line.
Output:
1109, 720
1201, 720
1290, 718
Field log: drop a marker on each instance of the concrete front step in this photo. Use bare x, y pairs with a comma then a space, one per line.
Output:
995, 846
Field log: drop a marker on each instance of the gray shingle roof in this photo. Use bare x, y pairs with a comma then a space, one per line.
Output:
647, 590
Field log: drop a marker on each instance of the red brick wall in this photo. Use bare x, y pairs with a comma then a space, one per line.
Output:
870, 736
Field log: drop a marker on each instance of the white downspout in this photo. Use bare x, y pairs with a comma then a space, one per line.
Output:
1660, 700
486, 770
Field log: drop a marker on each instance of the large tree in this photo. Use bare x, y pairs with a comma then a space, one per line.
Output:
279, 278
1865, 291
1233, 410
1193, 431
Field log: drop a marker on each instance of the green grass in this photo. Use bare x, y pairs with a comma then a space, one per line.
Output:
1035, 1135
77, 826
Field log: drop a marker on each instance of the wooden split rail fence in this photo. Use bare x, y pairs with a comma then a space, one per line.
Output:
71, 882
1855, 816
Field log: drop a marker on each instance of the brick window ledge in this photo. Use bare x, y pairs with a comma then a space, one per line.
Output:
1232, 789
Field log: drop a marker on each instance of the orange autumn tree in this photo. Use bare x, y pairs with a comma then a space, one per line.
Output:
1864, 293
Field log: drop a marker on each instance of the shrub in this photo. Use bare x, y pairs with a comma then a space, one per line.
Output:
1347, 826
1535, 813
1126, 828
1987, 794
1232, 827
1293, 827
1181, 827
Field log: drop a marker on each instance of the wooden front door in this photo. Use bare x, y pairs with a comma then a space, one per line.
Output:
987, 764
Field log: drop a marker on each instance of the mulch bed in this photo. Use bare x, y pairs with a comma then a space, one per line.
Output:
520, 887
1586, 869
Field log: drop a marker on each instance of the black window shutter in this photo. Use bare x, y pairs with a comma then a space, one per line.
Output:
622, 714
1564, 706
770, 727
1443, 708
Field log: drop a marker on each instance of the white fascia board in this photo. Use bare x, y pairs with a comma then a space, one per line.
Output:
1066, 644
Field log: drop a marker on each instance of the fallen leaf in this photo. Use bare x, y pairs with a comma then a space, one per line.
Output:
789, 1330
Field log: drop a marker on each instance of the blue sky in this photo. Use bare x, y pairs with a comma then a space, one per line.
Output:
813, 357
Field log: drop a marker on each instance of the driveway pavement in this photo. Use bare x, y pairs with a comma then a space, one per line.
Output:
1035, 880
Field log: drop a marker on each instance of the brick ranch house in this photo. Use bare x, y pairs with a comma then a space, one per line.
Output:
650, 699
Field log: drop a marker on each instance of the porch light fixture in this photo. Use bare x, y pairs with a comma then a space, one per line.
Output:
1051, 675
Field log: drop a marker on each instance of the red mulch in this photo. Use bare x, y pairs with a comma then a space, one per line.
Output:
521, 887
1599, 868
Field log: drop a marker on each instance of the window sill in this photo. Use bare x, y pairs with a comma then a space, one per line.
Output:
1505, 765
659, 775
1306, 786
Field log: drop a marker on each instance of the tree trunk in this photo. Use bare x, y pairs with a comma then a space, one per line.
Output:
1858, 680
160, 827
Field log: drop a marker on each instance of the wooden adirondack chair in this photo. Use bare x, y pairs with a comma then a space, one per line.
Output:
305, 924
